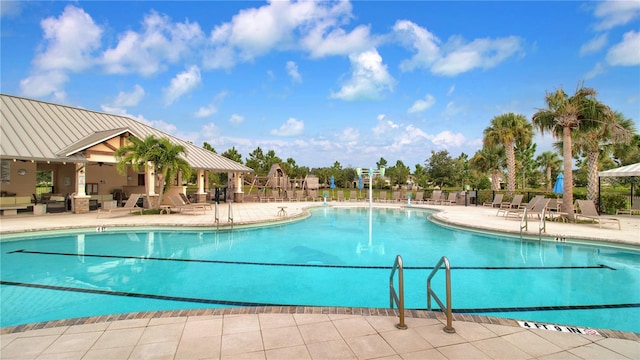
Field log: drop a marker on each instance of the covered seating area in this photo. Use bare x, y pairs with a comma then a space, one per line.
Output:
631, 171
80, 158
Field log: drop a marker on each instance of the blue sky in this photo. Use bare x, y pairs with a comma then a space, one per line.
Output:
322, 81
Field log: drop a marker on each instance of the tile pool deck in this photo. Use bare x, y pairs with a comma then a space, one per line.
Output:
307, 333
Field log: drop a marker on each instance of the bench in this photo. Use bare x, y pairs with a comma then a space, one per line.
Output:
9, 205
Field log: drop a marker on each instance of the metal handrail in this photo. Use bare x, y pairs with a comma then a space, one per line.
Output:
446, 309
524, 223
230, 216
542, 226
393, 297
216, 217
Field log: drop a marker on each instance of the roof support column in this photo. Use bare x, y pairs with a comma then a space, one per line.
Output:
151, 177
81, 179
238, 196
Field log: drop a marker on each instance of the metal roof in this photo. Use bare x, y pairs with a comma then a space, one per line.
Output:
43, 131
624, 171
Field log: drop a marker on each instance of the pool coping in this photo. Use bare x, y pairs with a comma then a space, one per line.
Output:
326, 310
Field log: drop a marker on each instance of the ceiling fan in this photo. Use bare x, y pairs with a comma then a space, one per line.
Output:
101, 164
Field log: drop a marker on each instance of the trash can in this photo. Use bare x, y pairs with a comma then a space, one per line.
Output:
472, 197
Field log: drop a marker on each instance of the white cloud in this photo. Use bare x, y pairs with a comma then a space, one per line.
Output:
146, 52
451, 90
337, 41
132, 98
597, 70
236, 119
384, 127
422, 104
480, 53
291, 127
210, 130
45, 84
182, 84
292, 70
447, 139
348, 135
69, 41
456, 56
369, 78
206, 111
424, 42
615, 13
627, 52
594, 45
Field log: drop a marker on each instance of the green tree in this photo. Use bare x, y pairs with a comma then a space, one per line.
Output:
550, 163
525, 163
399, 173
164, 158
208, 146
256, 161
381, 163
490, 160
507, 129
270, 159
420, 175
440, 167
565, 115
233, 154
461, 166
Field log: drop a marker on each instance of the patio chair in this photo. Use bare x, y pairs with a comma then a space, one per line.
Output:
514, 203
419, 197
451, 199
129, 207
353, 195
186, 201
518, 212
176, 203
588, 211
436, 197
497, 201
382, 196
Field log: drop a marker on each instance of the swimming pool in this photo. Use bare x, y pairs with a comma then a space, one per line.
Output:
328, 259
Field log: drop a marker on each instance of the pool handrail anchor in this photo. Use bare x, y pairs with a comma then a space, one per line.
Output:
446, 309
393, 296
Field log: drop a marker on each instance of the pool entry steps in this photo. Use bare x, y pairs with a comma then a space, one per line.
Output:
398, 298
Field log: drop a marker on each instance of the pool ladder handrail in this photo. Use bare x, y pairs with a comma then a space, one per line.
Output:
216, 218
397, 298
446, 309
524, 224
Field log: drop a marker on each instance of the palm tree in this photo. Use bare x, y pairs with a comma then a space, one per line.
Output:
549, 162
562, 117
490, 160
507, 129
161, 154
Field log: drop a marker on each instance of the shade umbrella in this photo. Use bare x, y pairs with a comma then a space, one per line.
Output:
332, 182
360, 183
558, 188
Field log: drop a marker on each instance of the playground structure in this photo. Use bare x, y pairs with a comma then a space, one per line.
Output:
277, 185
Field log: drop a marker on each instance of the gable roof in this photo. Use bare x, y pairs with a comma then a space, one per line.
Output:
43, 131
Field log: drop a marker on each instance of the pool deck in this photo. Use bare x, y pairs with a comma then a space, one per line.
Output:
308, 333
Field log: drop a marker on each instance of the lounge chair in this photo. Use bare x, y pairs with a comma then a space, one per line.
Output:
340, 195
395, 196
382, 196
186, 201
514, 203
588, 211
129, 207
353, 195
419, 197
530, 207
497, 201
451, 199
179, 205
436, 197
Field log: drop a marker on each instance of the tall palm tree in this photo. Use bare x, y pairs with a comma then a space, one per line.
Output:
490, 160
562, 117
507, 129
161, 154
549, 162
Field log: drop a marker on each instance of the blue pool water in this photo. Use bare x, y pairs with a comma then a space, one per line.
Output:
330, 259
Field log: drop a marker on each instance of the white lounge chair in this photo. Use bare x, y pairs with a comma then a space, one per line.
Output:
129, 207
588, 211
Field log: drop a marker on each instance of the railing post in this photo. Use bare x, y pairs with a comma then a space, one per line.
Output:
446, 309
395, 298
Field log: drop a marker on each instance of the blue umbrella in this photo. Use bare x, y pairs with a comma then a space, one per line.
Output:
332, 183
559, 186
360, 184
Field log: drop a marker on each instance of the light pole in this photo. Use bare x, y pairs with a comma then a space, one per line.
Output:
371, 173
